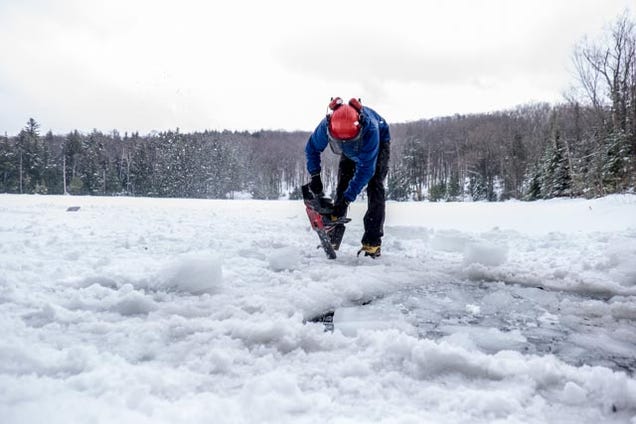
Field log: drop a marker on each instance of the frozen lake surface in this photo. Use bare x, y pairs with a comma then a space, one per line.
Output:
195, 311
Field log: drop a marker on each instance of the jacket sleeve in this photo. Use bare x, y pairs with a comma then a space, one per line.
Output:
385, 134
316, 144
365, 166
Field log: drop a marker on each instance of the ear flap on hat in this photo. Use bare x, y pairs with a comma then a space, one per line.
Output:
335, 103
356, 104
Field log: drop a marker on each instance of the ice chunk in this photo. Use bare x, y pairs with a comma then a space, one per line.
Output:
134, 303
487, 339
351, 320
473, 309
621, 260
195, 274
497, 301
285, 258
573, 394
485, 253
450, 241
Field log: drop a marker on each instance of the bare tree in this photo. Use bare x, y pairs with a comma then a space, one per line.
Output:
605, 71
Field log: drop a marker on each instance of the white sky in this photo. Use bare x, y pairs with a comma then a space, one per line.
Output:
142, 65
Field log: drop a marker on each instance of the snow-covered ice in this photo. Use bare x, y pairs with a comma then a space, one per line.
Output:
137, 310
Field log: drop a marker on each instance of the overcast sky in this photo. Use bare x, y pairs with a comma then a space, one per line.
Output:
143, 65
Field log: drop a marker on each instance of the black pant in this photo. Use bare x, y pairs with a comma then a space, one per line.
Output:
374, 217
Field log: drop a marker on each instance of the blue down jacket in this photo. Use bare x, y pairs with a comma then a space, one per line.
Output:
364, 151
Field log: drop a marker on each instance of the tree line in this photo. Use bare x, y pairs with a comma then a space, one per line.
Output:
585, 146
206, 164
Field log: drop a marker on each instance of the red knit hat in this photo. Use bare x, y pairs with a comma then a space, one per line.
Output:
344, 123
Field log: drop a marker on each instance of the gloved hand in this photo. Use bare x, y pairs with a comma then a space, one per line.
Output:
315, 185
340, 208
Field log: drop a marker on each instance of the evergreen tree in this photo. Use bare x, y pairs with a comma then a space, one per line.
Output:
557, 181
437, 191
31, 159
8, 168
52, 166
454, 188
533, 190
142, 168
72, 151
414, 159
398, 187
478, 187
481, 182
615, 162
92, 167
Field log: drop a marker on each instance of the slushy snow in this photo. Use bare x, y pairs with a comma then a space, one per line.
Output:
135, 310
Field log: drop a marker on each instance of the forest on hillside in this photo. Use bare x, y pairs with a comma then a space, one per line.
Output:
585, 146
